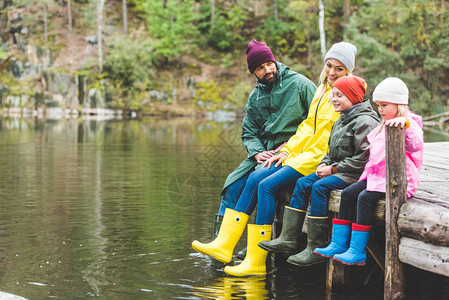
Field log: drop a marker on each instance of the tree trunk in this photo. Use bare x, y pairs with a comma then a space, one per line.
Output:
125, 18
275, 10
69, 15
309, 43
212, 12
322, 32
346, 14
100, 6
45, 23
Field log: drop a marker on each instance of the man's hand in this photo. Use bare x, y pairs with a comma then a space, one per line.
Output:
323, 170
279, 158
264, 156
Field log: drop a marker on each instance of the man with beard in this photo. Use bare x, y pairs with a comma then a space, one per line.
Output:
277, 105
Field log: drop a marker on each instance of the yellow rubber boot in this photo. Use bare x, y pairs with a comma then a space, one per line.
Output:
231, 230
255, 259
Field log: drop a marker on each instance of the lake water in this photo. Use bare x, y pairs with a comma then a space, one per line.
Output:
108, 209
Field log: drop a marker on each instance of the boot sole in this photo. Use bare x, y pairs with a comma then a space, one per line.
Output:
307, 265
213, 255
244, 274
327, 256
275, 251
351, 264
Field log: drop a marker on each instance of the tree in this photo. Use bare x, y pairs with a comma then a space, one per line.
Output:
100, 8
45, 23
275, 10
125, 18
322, 32
346, 14
212, 12
172, 27
406, 39
69, 15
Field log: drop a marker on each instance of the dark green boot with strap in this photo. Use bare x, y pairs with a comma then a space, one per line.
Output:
317, 235
288, 240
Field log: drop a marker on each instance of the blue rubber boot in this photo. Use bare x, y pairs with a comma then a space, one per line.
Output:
356, 254
341, 233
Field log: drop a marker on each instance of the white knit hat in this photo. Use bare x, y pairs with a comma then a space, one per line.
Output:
391, 90
343, 52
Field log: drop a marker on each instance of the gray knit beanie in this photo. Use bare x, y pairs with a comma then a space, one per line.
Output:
343, 52
391, 90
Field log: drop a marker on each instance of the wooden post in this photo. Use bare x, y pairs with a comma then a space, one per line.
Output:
396, 194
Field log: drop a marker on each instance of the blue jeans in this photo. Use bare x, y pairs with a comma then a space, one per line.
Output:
261, 188
316, 190
232, 193
366, 203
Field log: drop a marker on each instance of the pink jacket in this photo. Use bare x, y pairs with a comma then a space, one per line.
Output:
375, 171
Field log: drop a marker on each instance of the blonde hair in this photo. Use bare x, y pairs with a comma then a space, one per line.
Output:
403, 110
323, 81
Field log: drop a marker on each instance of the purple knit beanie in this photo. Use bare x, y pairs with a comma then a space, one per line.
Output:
257, 54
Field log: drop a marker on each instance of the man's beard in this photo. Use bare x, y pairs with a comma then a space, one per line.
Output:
271, 80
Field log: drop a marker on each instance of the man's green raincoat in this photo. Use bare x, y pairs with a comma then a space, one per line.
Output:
272, 116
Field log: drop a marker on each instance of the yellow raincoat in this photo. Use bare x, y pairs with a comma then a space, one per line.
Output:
309, 145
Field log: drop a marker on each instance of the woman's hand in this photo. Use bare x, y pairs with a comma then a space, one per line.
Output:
323, 170
395, 122
279, 158
263, 156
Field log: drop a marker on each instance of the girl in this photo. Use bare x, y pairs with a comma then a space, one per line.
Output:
391, 95
341, 166
300, 156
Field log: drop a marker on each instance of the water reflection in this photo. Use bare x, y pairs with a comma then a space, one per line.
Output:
251, 288
109, 209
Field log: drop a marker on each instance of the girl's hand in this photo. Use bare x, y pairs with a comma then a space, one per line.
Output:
323, 170
395, 122
279, 158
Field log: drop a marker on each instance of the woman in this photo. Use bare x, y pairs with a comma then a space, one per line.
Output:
299, 157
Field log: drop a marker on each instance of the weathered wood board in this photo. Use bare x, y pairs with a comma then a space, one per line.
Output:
424, 256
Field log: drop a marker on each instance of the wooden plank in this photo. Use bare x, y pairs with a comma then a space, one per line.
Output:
334, 206
424, 221
424, 256
394, 283
430, 197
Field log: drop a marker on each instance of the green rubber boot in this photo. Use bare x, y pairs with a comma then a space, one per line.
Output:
317, 234
242, 253
288, 240
217, 225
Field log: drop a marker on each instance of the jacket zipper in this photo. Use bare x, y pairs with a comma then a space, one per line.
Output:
316, 113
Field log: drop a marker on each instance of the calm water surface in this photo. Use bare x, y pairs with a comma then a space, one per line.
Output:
108, 209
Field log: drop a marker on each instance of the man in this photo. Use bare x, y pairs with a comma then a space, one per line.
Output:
277, 105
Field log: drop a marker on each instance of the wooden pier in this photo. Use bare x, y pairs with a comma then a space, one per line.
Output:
416, 229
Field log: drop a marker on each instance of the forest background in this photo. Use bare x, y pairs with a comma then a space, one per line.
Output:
188, 56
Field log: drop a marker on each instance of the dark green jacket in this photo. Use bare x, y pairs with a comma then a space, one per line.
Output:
273, 115
348, 143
